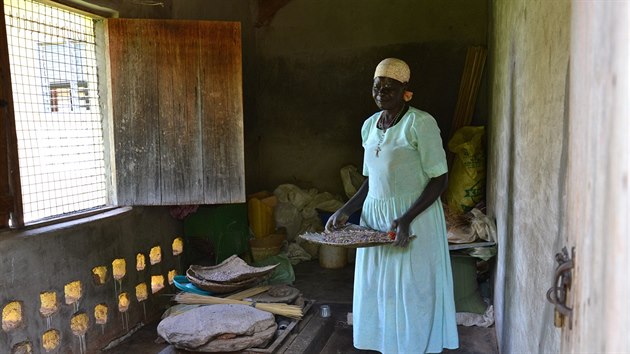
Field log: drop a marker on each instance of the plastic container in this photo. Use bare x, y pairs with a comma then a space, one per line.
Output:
260, 211
332, 257
215, 232
465, 286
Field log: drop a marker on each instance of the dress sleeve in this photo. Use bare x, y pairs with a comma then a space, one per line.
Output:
428, 142
365, 132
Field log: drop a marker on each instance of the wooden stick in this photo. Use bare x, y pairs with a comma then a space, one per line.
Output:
468, 90
249, 292
291, 311
471, 78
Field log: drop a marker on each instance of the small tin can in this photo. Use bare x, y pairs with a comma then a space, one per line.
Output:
324, 311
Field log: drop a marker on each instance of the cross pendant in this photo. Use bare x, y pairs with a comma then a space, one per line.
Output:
378, 149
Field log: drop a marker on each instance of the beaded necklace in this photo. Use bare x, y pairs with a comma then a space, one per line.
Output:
380, 124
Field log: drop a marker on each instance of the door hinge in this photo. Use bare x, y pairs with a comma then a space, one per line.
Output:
558, 292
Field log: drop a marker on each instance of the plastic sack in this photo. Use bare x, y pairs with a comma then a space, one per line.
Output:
484, 227
310, 247
283, 274
289, 193
467, 178
292, 200
297, 254
351, 179
474, 319
483, 253
312, 220
470, 227
323, 201
288, 216
461, 234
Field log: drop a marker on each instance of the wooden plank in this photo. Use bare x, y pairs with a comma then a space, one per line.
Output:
135, 110
222, 112
598, 165
463, 246
178, 117
284, 336
468, 90
6, 202
181, 175
10, 187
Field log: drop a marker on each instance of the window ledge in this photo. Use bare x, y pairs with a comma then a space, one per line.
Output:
52, 226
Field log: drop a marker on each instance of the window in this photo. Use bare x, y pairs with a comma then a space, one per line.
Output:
166, 130
59, 96
58, 123
64, 72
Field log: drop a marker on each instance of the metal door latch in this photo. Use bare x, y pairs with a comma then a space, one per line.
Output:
557, 294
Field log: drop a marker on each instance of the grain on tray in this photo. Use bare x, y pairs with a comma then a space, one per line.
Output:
352, 236
356, 236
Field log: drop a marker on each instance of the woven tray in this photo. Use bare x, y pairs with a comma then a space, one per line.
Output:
223, 288
231, 270
350, 237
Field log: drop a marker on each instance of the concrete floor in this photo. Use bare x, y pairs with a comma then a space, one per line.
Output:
334, 287
314, 334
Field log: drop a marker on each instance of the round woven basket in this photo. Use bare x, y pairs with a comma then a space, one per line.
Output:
267, 246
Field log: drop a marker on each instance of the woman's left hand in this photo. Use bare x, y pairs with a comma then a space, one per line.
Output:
402, 232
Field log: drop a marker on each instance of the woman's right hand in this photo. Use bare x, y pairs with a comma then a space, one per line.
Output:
336, 220
341, 216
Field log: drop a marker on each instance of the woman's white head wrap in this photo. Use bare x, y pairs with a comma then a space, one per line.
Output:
393, 68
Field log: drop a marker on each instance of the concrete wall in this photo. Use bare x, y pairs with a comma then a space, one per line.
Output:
308, 67
529, 58
314, 65
49, 258
45, 260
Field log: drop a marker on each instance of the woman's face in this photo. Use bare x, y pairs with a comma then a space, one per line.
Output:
388, 93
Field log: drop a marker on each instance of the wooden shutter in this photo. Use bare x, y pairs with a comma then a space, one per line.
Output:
177, 111
10, 194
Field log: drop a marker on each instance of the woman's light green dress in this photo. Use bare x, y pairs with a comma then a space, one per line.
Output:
403, 297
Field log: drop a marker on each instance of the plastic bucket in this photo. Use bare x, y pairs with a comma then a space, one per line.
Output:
332, 257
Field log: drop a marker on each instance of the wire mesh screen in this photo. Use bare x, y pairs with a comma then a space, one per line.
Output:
56, 104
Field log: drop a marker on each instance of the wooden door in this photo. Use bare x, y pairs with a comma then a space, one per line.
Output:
177, 111
597, 208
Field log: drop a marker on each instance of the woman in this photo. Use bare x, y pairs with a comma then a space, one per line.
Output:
403, 293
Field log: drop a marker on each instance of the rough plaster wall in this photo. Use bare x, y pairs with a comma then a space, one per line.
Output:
47, 259
529, 50
314, 65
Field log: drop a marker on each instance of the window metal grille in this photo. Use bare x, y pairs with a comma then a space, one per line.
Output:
52, 54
